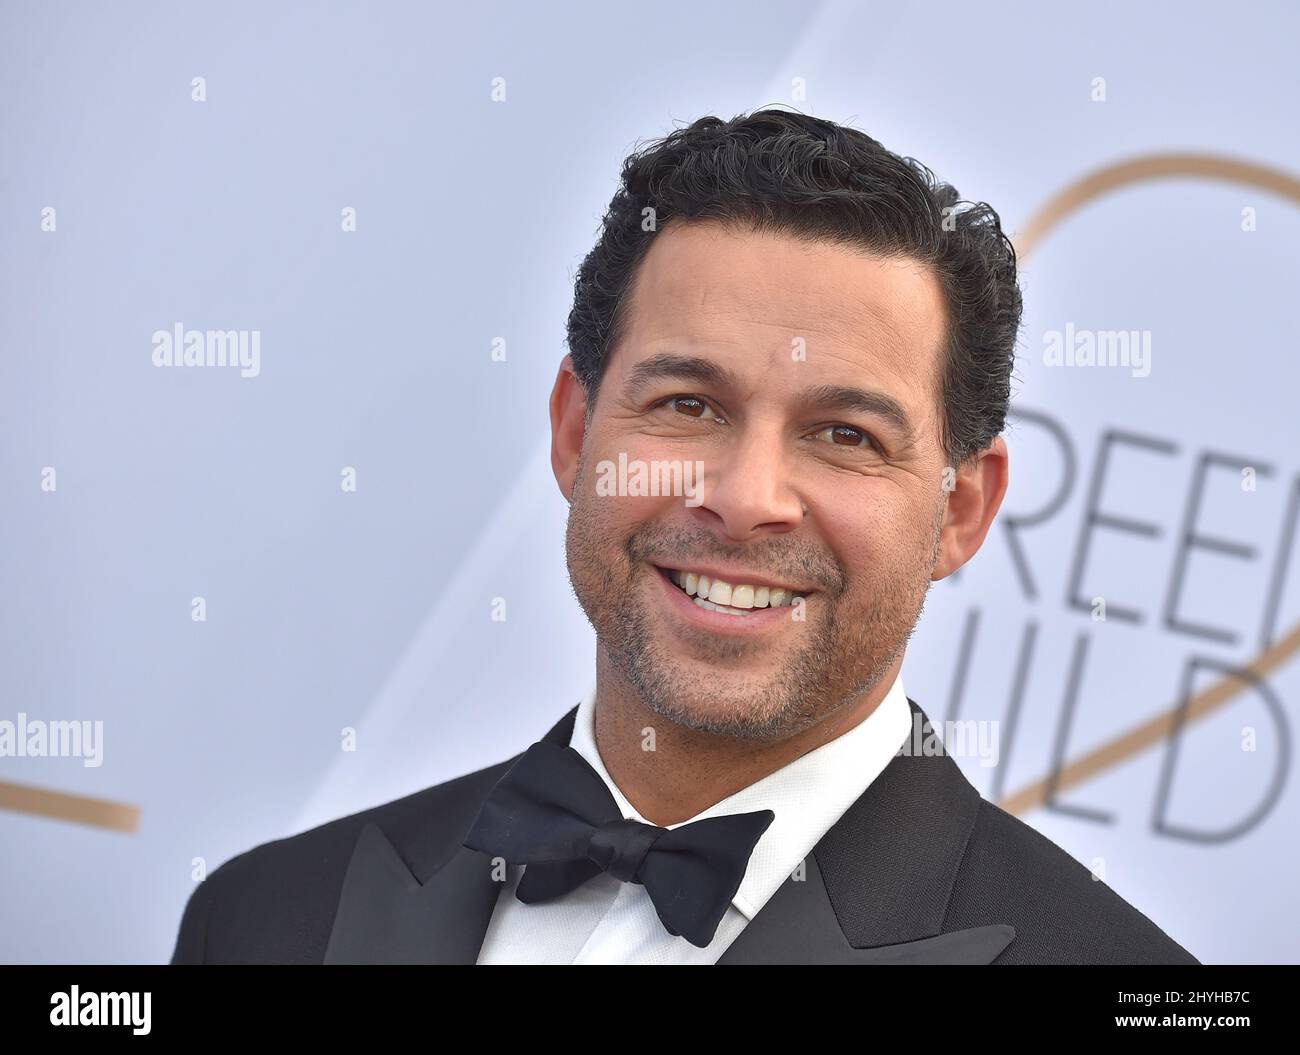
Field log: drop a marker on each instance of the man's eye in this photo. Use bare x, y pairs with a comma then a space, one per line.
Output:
846, 436
692, 406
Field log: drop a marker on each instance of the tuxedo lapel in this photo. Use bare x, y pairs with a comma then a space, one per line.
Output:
875, 888
799, 926
387, 914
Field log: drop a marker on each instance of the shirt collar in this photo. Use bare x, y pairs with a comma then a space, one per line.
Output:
807, 795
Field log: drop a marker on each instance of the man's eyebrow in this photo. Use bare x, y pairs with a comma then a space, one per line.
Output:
860, 401
678, 367
839, 398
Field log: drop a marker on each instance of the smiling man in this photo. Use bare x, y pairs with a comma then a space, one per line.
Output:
828, 334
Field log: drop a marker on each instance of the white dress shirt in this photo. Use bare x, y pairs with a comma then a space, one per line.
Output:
608, 921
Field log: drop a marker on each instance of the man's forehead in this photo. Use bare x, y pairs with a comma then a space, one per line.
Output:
708, 290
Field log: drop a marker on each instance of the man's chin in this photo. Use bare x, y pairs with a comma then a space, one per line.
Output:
752, 705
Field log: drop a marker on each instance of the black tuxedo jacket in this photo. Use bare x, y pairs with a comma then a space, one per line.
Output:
920, 869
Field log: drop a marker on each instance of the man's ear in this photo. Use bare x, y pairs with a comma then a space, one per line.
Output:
976, 493
568, 426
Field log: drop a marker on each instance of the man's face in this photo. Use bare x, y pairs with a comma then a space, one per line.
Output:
798, 376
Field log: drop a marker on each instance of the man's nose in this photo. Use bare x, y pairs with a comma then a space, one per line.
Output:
748, 490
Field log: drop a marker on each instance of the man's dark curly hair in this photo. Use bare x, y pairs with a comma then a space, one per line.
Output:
793, 174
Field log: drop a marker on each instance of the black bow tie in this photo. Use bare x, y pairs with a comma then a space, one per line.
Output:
552, 812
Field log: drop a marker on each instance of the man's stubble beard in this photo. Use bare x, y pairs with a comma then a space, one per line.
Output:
816, 679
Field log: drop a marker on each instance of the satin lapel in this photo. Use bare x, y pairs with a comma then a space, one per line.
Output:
387, 915
877, 885
799, 926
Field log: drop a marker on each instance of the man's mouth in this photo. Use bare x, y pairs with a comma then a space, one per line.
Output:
738, 599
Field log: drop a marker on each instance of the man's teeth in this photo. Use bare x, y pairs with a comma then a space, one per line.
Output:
719, 596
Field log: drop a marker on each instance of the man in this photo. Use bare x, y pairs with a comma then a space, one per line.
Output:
800, 345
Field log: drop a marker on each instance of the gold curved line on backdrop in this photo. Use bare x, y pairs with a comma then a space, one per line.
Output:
1104, 181
61, 806
1055, 211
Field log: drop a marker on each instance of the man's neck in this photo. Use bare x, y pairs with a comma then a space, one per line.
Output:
689, 770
